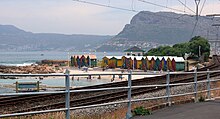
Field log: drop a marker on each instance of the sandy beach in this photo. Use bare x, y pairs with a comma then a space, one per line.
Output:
111, 73
91, 77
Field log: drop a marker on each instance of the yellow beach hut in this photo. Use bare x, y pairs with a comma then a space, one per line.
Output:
169, 64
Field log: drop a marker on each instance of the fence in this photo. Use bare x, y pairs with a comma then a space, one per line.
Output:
129, 87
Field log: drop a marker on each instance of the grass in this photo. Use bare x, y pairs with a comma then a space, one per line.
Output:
140, 111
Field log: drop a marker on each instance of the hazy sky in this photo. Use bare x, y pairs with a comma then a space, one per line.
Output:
71, 17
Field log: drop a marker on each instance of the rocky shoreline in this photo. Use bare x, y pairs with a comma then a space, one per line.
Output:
33, 69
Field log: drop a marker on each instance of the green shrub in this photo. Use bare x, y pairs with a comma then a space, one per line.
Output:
140, 111
201, 99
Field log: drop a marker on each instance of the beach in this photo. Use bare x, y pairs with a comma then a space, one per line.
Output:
58, 82
112, 72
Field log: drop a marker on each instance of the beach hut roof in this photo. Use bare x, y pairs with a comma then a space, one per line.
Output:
166, 57
160, 57
91, 56
178, 59
116, 57
109, 57
137, 57
129, 56
150, 57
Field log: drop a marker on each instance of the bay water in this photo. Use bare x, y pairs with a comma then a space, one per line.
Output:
28, 58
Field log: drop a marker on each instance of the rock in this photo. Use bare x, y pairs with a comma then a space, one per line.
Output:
34, 69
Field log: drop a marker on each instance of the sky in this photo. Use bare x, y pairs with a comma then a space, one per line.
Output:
73, 17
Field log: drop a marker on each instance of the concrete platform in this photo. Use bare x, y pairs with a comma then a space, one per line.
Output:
201, 110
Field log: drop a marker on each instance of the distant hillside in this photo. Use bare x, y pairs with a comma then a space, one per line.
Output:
15, 39
148, 30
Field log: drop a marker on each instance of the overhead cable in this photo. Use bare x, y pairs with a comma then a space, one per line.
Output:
103, 5
202, 7
184, 4
194, 28
130, 10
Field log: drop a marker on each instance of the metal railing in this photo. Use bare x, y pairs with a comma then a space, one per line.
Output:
129, 87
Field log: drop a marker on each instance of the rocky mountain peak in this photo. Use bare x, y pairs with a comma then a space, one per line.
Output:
151, 29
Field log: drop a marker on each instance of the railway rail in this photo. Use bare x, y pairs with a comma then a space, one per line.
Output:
86, 98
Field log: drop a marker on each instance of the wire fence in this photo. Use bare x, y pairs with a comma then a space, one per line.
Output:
129, 100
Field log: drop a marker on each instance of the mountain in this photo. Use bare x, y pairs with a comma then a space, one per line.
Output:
15, 39
148, 30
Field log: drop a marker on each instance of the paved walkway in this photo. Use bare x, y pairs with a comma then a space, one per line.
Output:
202, 110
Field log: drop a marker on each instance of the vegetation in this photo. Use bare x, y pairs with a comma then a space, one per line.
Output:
191, 47
201, 99
140, 111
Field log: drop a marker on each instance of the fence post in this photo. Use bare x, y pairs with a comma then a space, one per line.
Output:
67, 94
16, 86
195, 85
38, 86
128, 114
208, 84
168, 88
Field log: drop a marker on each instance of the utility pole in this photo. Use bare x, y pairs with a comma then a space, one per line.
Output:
216, 25
197, 9
68, 62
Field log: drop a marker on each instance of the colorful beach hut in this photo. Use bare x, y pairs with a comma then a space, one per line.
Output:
152, 63
135, 63
139, 61
88, 61
119, 62
84, 60
169, 64
173, 64
124, 65
143, 64
128, 63
113, 62
162, 64
180, 64
157, 63
73, 61
105, 60
147, 63
165, 63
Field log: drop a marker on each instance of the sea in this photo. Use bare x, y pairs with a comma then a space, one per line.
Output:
28, 58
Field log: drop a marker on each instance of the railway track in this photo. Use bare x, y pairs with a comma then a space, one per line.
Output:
105, 96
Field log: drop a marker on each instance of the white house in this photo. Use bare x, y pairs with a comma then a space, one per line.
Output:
134, 51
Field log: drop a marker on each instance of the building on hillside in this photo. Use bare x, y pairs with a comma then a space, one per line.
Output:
134, 51
83, 60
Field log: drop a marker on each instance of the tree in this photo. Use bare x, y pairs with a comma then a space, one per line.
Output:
180, 49
201, 42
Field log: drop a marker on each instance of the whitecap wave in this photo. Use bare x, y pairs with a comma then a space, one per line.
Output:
18, 64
